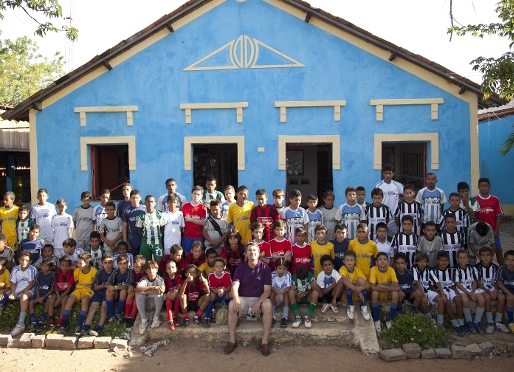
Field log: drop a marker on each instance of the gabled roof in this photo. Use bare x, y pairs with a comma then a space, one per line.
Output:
20, 111
496, 114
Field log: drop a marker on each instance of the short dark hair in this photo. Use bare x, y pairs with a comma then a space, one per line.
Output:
214, 203
85, 194
326, 258
441, 254
455, 194
105, 192
360, 188
242, 188
420, 256
110, 204
260, 192
95, 235
462, 186
484, 250
381, 254
122, 257
409, 186
321, 227
295, 194
510, 252
302, 272
149, 196
387, 168
312, 197
350, 189
429, 223
328, 193
210, 252
123, 243
398, 256
484, 179
450, 216
381, 225
341, 226
175, 248
482, 228
281, 261
70, 242
377, 191
350, 254
408, 217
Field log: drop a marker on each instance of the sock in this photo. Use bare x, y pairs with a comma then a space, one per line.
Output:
66, 315
455, 324
121, 307
392, 311
82, 317
285, 312
185, 315
169, 310
374, 310
510, 314
43, 317
428, 315
86, 327
110, 307
365, 294
294, 307
32, 318
479, 314
273, 312
99, 328
310, 310
460, 321
399, 309
349, 296
467, 314
208, 309
176, 303
128, 307
21, 320
440, 319
199, 313
133, 312
52, 320
489, 316
414, 309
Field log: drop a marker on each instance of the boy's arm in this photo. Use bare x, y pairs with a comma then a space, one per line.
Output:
264, 259
124, 231
208, 238
497, 229
504, 289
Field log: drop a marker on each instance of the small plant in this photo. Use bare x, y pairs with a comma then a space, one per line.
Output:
408, 328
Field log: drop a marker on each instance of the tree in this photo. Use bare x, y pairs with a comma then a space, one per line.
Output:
498, 73
49, 8
23, 72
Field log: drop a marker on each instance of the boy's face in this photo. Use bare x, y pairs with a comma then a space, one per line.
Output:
450, 224
24, 262
171, 187
172, 205
464, 193
408, 195
381, 233
171, 268
280, 232
484, 188
196, 252
110, 211
196, 196
86, 201
107, 264
216, 211
312, 204
229, 194
509, 262
233, 241
123, 265
241, 196
351, 196
400, 265
23, 215
454, 202
95, 243
328, 202
361, 195
463, 259
151, 271
2, 245
349, 262
81, 264
258, 233
301, 237
431, 180
42, 197
362, 235
33, 234
382, 261
126, 191
321, 235
430, 232
341, 235
210, 260
442, 263
262, 200
486, 258
388, 176
407, 226
8, 202
138, 267
60, 208
69, 249
328, 267
135, 199
210, 186
122, 248
45, 268
422, 264
150, 204
104, 198
219, 267
278, 199
281, 270
65, 266
295, 201
377, 200
177, 256
47, 252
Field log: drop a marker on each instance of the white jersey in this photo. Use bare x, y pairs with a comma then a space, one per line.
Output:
330, 221
111, 229
151, 224
172, 229
100, 215
295, 218
351, 216
75, 256
212, 232
315, 219
392, 192
22, 278
162, 202
61, 226
83, 218
325, 281
431, 201
385, 247
42, 215
281, 282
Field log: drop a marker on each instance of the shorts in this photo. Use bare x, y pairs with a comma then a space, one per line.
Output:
304, 300
151, 251
327, 297
221, 299
98, 296
192, 306
408, 295
450, 293
33, 298
31, 291
383, 296
81, 293
246, 304
188, 242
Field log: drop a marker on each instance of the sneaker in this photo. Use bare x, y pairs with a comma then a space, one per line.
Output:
32, 328
142, 326
459, 331
207, 322
51, 330
114, 318
297, 321
77, 331
17, 331
84, 333
185, 322
155, 323
40, 327
171, 326
350, 313
325, 307
378, 326
511, 327
273, 321
471, 327
213, 316
389, 324
365, 312
176, 322
502, 328
490, 328
479, 328
196, 319
464, 328
334, 308
61, 330
129, 323
92, 333
307, 322
283, 323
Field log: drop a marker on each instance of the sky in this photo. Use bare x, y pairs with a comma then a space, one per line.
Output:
419, 26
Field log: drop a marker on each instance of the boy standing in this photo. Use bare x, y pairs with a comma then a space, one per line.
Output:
278, 198
453, 240
329, 213
239, 214
350, 213
171, 187
83, 217
340, 245
99, 211
174, 224
409, 206
461, 215
314, 215
215, 229
129, 218
468, 203
295, 215
230, 193
377, 212
150, 225
42, 214
8, 217
406, 242
392, 191
125, 203
432, 199
264, 213
210, 193
111, 229
195, 214
361, 197
23, 224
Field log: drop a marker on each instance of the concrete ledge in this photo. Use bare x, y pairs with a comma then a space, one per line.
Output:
102, 342
428, 354
5, 340
364, 334
443, 353
412, 350
53, 341
15, 343
392, 355
26, 340
86, 342
69, 343
38, 341
119, 343
460, 352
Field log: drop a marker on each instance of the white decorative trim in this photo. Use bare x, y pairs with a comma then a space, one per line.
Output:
128, 109
238, 140
335, 140
283, 105
239, 106
433, 138
119, 140
433, 102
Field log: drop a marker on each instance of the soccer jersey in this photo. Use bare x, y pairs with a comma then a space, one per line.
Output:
506, 277
83, 218
4, 278
235, 257
197, 212
480, 241
302, 285
351, 216
130, 217
208, 197
266, 215
295, 218
392, 192
44, 283
315, 219
111, 228
162, 202
173, 229
96, 257
329, 220
62, 281
147, 282
42, 215
62, 225
365, 252
325, 281
280, 282
213, 233
423, 278
385, 247
206, 268
409, 209
119, 278
264, 247
84, 280
194, 290
173, 284
386, 277
452, 242
431, 201
22, 278
445, 277
490, 209
122, 205
405, 281
23, 228
216, 282
353, 275
319, 250
472, 203
375, 215
431, 248
279, 248
8, 253
408, 244
35, 247
339, 249
239, 216
301, 257
465, 276
487, 275
102, 277
8, 219
190, 260
151, 224
130, 260
461, 217
99, 216
75, 255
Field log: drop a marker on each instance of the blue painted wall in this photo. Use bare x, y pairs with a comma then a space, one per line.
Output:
154, 80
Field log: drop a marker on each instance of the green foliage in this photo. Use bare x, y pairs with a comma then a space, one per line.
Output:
23, 71
408, 327
48, 8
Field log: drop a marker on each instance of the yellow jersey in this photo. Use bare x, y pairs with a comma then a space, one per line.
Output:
240, 217
353, 276
318, 250
382, 277
364, 252
206, 268
8, 219
4, 278
84, 280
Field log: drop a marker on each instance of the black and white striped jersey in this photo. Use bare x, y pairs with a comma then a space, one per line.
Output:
465, 276
487, 275
452, 242
409, 209
445, 277
422, 277
408, 244
461, 217
375, 215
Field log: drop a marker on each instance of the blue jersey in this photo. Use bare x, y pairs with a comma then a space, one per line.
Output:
102, 277
35, 247
431, 201
44, 282
339, 249
315, 219
295, 218
130, 217
405, 281
117, 278
507, 278
130, 258
351, 216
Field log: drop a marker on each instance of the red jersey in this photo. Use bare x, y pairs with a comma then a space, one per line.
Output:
194, 290
264, 247
279, 248
235, 257
301, 257
490, 208
267, 216
216, 282
63, 281
199, 212
139, 276
189, 259
180, 266
172, 284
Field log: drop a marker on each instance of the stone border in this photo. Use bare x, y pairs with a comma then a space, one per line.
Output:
54, 341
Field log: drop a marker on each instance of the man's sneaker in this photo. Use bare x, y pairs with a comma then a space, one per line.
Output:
350, 313
207, 322
92, 333
389, 324
511, 327
297, 321
32, 328
143, 326
479, 328
307, 322
40, 327
155, 323
325, 307
283, 323
490, 328
77, 331
502, 328
273, 321
378, 326
61, 330
196, 319
464, 328
365, 312
185, 322
17, 331
471, 327
459, 331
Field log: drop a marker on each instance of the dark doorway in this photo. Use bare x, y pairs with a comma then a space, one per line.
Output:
218, 160
409, 160
109, 169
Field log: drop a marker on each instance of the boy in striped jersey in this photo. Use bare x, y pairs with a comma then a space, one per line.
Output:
150, 226
295, 215
409, 207
264, 213
350, 213
442, 294
315, 216
487, 272
461, 215
406, 242
421, 284
466, 284
453, 240
431, 199
392, 191
505, 283
376, 213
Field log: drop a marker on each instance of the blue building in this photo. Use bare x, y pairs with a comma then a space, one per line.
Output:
266, 93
